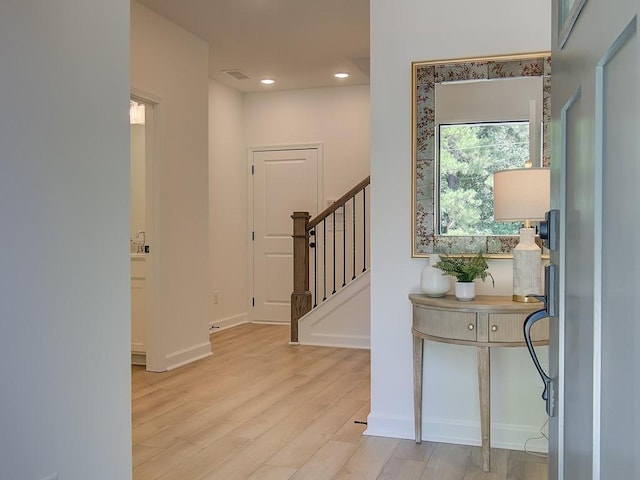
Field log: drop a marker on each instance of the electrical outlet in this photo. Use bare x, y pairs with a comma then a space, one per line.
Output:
216, 294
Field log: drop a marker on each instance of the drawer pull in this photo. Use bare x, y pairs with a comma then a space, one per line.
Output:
471, 326
494, 328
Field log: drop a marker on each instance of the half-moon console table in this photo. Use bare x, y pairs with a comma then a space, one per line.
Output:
485, 322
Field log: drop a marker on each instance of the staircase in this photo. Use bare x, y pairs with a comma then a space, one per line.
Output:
330, 273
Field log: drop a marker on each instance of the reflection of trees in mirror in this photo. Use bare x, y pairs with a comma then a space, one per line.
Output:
469, 154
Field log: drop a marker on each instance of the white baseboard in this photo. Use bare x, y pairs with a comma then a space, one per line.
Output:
228, 322
188, 355
341, 341
138, 358
512, 437
268, 322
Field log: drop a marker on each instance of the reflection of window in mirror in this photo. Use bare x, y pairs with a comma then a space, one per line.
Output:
481, 127
469, 154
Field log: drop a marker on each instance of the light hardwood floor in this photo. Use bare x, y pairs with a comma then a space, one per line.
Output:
260, 409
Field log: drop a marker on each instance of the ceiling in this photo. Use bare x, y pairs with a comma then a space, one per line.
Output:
298, 43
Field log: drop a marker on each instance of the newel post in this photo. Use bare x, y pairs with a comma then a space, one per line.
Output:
301, 296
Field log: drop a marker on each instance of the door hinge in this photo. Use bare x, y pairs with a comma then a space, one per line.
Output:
253, 301
253, 236
253, 169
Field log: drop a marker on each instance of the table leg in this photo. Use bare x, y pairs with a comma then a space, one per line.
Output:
418, 344
484, 386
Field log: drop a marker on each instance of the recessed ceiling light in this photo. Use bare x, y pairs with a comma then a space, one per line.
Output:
267, 81
341, 75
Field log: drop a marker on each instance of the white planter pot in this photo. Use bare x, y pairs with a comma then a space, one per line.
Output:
465, 291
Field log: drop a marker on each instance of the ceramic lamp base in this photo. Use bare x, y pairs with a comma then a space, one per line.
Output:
527, 267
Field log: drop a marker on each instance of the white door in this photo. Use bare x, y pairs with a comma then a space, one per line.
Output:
596, 186
284, 181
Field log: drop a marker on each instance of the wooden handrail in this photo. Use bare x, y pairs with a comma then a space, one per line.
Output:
339, 203
301, 296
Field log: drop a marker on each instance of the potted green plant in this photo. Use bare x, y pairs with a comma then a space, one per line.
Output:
466, 269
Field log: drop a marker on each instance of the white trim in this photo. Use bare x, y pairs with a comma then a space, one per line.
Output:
266, 322
446, 430
138, 358
228, 322
620, 41
567, 25
250, 233
597, 270
338, 341
146, 97
155, 354
562, 280
188, 355
289, 146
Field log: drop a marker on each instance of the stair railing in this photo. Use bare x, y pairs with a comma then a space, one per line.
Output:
329, 251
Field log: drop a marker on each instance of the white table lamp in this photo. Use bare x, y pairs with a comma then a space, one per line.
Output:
522, 194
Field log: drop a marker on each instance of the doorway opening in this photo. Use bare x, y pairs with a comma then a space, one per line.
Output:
143, 241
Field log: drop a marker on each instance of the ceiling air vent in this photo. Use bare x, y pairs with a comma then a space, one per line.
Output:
237, 74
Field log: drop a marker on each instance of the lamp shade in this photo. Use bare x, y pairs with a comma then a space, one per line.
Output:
521, 194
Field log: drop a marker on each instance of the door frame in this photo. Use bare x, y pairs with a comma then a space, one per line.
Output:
250, 210
155, 360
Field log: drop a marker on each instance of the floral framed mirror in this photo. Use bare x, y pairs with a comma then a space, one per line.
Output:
471, 117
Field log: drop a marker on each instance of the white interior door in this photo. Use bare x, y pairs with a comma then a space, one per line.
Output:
284, 181
596, 173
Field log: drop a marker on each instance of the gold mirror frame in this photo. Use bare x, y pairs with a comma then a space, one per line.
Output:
425, 76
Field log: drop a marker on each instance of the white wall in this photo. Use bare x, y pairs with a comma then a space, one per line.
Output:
339, 118
171, 65
64, 211
402, 32
228, 204
336, 117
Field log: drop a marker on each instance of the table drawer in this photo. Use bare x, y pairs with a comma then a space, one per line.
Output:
439, 323
508, 328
